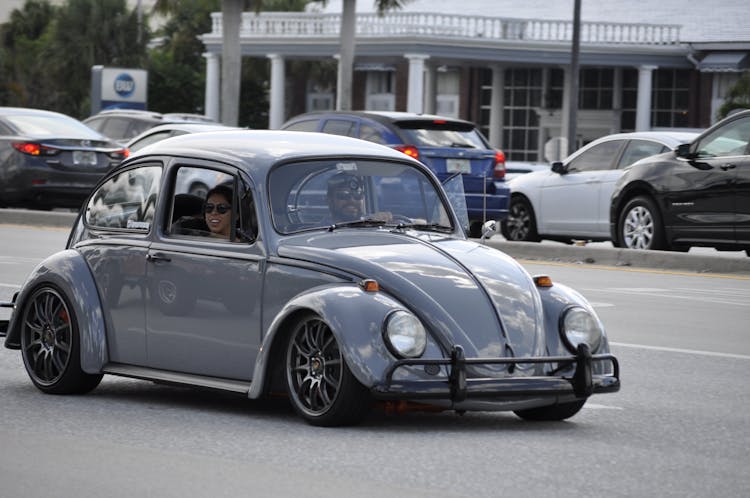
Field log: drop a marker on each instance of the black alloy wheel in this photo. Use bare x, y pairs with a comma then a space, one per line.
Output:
321, 386
520, 225
50, 345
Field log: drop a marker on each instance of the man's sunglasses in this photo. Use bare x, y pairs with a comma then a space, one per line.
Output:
221, 208
348, 195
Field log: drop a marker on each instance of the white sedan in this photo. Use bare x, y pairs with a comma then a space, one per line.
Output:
571, 199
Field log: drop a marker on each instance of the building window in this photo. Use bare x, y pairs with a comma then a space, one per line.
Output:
629, 99
670, 98
596, 88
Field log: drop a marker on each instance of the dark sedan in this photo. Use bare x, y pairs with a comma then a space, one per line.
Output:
49, 159
697, 195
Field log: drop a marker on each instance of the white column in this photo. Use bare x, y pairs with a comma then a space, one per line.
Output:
415, 92
213, 77
565, 112
276, 104
496, 107
430, 89
643, 108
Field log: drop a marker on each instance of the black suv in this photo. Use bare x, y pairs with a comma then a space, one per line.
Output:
123, 124
697, 195
447, 146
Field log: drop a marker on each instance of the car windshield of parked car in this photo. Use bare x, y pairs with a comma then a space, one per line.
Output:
442, 134
355, 193
51, 126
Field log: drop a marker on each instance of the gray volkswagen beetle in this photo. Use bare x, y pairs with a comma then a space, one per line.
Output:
327, 268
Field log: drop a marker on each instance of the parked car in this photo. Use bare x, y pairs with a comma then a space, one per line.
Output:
124, 124
48, 159
398, 309
698, 195
199, 181
571, 199
447, 146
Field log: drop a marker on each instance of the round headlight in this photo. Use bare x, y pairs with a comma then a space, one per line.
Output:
405, 335
580, 326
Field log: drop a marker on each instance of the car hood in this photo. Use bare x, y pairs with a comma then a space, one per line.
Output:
468, 294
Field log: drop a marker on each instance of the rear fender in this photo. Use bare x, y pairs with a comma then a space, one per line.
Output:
68, 272
356, 319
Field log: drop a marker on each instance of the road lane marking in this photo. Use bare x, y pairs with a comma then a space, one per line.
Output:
596, 406
679, 350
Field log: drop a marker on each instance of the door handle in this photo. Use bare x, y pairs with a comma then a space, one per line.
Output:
725, 167
157, 257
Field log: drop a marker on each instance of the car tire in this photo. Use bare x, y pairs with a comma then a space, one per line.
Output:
50, 344
639, 225
475, 229
559, 411
520, 226
321, 387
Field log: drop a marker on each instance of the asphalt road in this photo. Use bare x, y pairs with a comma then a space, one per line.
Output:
677, 428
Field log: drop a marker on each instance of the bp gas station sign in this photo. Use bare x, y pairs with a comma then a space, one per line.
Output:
118, 88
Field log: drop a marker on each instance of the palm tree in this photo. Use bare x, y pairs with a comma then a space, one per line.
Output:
347, 41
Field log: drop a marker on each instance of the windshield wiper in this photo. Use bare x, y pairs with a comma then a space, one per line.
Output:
433, 227
367, 222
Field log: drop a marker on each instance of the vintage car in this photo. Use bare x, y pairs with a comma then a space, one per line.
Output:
335, 306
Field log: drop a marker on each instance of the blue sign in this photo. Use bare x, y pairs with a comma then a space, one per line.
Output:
124, 85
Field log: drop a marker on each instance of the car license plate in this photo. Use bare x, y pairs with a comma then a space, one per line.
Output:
458, 165
84, 157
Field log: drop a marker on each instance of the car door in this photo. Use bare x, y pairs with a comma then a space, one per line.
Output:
705, 194
570, 202
203, 312
121, 213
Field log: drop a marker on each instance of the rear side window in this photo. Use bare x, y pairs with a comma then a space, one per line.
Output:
308, 125
340, 127
442, 134
127, 200
638, 149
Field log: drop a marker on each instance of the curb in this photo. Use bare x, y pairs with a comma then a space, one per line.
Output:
617, 257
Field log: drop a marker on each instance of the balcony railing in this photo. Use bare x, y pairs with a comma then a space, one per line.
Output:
295, 25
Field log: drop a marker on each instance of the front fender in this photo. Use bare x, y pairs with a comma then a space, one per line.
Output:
68, 272
555, 300
356, 319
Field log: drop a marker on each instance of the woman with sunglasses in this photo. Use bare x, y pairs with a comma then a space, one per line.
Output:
217, 211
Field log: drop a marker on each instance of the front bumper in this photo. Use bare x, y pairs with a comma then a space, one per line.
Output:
457, 387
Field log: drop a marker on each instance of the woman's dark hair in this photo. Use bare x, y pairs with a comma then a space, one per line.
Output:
223, 190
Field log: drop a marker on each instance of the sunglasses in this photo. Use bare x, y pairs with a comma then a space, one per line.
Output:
221, 208
347, 195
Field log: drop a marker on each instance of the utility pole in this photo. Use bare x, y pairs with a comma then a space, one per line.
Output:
574, 77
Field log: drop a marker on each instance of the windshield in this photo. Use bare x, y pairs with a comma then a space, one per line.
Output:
335, 194
428, 134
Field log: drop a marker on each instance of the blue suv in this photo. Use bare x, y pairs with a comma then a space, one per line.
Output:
446, 145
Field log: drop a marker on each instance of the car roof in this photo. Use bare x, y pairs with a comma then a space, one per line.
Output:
380, 116
257, 150
156, 116
17, 111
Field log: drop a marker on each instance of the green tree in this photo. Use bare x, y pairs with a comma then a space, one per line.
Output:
738, 96
23, 41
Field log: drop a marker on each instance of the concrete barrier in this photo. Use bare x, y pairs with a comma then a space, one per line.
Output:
605, 256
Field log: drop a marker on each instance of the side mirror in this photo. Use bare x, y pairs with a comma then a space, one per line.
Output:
559, 168
683, 150
489, 228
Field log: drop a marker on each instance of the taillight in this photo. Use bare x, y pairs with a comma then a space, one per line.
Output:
119, 154
499, 172
409, 150
34, 149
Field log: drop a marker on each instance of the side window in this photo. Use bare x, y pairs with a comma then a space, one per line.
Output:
636, 150
309, 125
126, 201
729, 140
340, 127
598, 157
371, 134
213, 204
150, 139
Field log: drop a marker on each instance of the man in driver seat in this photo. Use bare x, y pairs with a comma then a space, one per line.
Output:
346, 197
